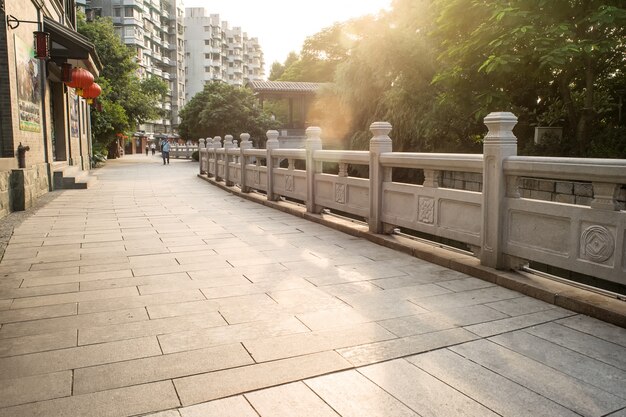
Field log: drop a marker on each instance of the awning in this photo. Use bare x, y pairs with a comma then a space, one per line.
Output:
67, 44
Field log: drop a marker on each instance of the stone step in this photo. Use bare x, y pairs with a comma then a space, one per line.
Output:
72, 177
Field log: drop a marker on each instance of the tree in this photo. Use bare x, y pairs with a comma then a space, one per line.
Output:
126, 100
552, 60
221, 109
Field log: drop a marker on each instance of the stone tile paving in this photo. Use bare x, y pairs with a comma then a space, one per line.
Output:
157, 294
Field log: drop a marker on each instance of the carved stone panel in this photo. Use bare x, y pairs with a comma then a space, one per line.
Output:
425, 210
596, 244
289, 183
257, 177
340, 193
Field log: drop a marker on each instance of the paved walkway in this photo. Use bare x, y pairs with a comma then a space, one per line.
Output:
155, 292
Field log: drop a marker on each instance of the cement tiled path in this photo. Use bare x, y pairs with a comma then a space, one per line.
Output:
155, 292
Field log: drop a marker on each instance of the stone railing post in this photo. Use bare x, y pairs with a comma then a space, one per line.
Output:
243, 145
312, 144
217, 143
380, 143
201, 146
210, 150
272, 143
228, 144
499, 144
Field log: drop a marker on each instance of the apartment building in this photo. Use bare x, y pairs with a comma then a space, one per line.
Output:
216, 52
155, 29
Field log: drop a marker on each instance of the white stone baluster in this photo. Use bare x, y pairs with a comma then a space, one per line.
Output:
313, 143
499, 144
380, 143
217, 143
272, 143
201, 147
244, 144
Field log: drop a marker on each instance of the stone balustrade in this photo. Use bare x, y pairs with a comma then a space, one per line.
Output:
182, 151
504, 226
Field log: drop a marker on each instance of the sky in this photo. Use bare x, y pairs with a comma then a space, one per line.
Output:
283, 25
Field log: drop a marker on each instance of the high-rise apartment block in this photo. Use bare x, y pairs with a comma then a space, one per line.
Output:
155, 29
215, 52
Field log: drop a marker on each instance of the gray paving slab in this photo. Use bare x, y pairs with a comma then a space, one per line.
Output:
26, 314
214, 385
596, 328
294, 399
490, 389
77, 357
128, 401
158, 368
81, 321
404, 381
586, 344
38, 343
35, 388
227, 407
589, 370
353, 395
561, 388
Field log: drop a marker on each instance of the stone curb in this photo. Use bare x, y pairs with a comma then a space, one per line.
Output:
605, 308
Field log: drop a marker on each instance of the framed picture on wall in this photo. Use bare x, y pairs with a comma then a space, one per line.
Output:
28, 86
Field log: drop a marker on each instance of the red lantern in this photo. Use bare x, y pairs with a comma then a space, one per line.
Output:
42, 44
81, 79
91, 92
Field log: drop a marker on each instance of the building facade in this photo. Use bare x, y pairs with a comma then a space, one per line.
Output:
216, 52
44, 125
155, 30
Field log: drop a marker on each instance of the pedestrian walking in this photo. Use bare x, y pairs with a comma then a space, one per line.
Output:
153, 147
165, 151
147, 147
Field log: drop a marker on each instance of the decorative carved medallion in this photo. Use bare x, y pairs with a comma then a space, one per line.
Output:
289, 182
596, 244
425, 210
340, 193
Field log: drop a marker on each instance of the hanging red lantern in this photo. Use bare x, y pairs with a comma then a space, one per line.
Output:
66, 72
81, 79
91, 92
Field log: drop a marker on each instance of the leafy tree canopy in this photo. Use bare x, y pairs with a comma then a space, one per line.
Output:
221, 109
126, 99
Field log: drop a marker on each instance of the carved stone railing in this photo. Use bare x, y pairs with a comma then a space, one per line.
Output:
182, 151
503, 229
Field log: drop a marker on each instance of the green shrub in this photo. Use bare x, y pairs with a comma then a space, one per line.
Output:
195, 156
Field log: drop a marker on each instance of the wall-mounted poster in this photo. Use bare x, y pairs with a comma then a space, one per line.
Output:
28, 86
74, 115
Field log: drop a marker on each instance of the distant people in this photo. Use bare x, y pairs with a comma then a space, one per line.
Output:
147, 147
153, 148
272, 116
165, 151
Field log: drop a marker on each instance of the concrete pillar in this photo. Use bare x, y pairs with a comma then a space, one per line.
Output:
380, 143
228, 144
217, 143
243, 145
312, 144
201, 147
499, 144
272, 143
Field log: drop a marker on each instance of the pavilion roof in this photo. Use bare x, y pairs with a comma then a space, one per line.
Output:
284, 87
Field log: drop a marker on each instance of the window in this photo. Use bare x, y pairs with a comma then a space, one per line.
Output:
118, 12
128, 11
207, 69
207, 42
207, 56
